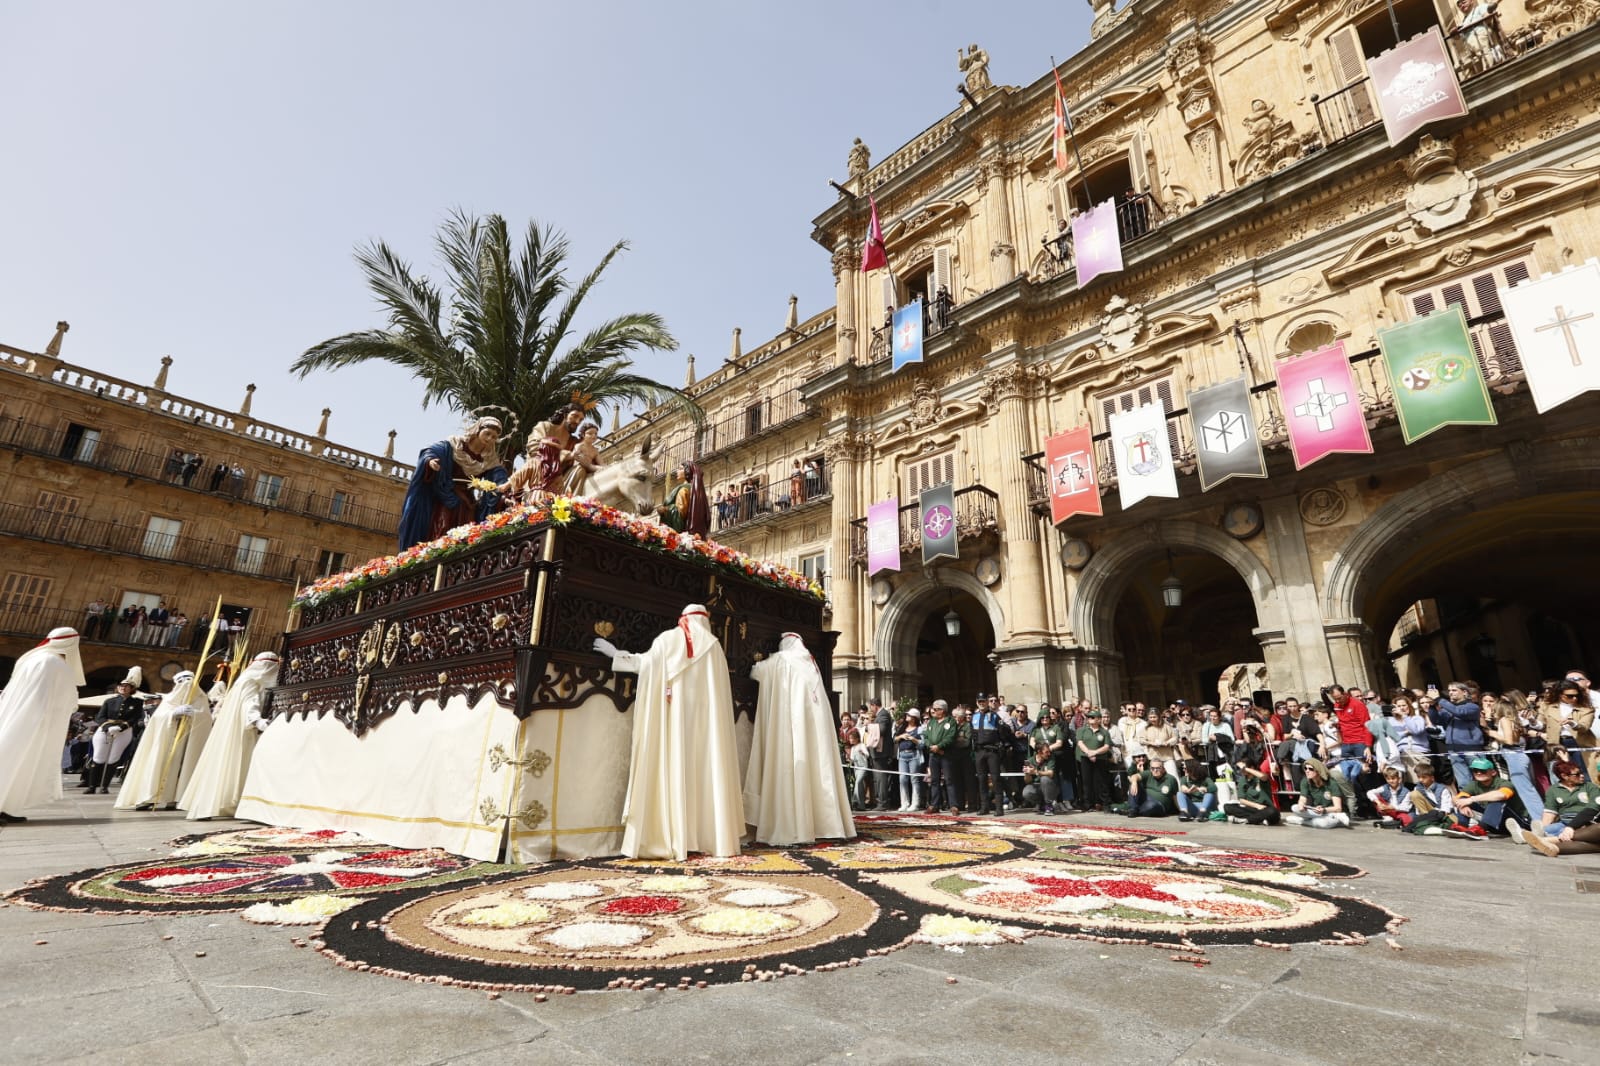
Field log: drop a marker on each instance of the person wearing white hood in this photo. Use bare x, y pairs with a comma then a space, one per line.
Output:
683, 771
218, 781
34, 712
794, 786
170, 749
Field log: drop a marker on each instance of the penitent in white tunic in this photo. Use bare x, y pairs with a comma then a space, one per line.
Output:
794, 789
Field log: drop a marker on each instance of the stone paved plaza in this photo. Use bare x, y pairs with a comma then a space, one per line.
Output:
1497, 966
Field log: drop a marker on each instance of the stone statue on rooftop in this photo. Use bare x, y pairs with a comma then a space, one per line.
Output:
860, 159
974, 64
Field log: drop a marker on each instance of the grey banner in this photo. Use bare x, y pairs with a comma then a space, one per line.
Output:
1225, 440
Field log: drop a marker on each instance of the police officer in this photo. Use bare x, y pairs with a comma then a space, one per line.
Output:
991, 738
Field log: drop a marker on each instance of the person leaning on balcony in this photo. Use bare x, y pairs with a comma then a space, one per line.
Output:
1477, 20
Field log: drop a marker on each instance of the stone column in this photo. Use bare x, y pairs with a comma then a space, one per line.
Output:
1299, 614
1351, 652
843, 450
844, 287
997, 206
1009, 389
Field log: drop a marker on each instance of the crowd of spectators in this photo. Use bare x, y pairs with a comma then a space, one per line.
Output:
1461, 762
160, 626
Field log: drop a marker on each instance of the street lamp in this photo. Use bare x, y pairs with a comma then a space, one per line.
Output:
952, 621
1171, 588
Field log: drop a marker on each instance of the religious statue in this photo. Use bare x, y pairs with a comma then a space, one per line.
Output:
684, 792
585, 461
687, 508
860, 159
440, 495
549, 456
1105, 12
974, 64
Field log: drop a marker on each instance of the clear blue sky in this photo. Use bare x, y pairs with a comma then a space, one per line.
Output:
189, 179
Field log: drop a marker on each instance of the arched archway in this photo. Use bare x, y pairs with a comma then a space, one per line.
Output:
1228, 597
1485, 571
912, 644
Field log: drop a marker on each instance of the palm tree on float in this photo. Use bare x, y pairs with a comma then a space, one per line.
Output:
509, 341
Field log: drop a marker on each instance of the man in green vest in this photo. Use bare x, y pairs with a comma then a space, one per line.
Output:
1094, 753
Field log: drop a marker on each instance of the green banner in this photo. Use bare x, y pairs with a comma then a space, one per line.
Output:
1434, 374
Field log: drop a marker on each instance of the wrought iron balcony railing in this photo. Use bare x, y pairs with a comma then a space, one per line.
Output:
977, 517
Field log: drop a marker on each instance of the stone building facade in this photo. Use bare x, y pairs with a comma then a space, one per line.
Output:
133, 495
1262, 213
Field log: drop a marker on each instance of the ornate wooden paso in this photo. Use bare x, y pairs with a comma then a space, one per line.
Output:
516, 618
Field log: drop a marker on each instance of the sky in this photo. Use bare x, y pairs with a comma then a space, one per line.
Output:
191, 179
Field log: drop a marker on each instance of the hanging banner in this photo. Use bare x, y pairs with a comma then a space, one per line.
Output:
1225, 440
1416, 85
1074, 486
1557, 330
1143, 454
883, 536
939, 523
1322, 406
1434, 374
907, 340
1096, 247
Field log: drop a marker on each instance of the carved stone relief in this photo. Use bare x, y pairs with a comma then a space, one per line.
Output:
1272, 143
1441, 194
1121, 324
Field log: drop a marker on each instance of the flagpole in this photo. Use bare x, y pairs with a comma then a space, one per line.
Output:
1066, 114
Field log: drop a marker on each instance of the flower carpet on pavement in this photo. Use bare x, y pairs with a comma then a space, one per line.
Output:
771, 912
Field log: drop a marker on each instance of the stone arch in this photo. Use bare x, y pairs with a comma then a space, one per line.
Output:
894, 646
1520, 471
1094, 606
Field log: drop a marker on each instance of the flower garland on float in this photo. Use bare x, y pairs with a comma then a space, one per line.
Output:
564, 511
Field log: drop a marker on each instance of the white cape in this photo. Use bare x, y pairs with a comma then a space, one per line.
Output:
218, 781
683, 771
156, 751
34, 713
794, 787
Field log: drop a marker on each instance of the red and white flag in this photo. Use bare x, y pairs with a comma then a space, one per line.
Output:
874, 256
1062, 118
1074, 486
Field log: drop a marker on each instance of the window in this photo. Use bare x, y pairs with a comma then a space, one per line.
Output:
268, 488
1350, 47
161, 537
330, 562
815, 568
1138, 396
79, 443
22, 597
57, 515
251, 554
1475, 293
752, 419
340, 505
926, 473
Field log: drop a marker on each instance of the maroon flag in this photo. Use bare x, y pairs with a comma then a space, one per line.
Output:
1416, 85
874, 256
1322, 405
1074, 485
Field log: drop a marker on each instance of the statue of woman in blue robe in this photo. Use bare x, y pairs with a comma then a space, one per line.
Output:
439, 497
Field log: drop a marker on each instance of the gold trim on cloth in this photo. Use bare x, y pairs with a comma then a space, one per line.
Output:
472, 826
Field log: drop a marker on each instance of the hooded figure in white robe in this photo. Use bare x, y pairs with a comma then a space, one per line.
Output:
218, 781
794, 788
683, 771
174, 736
34, 713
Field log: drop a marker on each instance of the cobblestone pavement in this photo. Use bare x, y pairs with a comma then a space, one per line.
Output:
1497, 966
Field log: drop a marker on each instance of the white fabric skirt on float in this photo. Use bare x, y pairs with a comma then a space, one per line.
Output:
417, 779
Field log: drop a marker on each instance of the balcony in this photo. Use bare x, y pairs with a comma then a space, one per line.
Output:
768, 502
977, 521
1475, 48
76, 531
35, 622
1491, 338
52, 442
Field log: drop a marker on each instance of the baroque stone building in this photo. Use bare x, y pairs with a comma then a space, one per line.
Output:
1262, 213
134, 496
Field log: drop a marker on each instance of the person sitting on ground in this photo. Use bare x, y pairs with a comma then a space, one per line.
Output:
1197, 793
1488, 802
1254, 804
1039, 780
1392, 800
1153, 793
1571, 808
1435, 809
1320, 805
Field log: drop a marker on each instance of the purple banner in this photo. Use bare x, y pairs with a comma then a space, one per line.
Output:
883, 536
1096, 247
1416, 85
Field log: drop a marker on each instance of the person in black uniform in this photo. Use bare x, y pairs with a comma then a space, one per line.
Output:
991, 737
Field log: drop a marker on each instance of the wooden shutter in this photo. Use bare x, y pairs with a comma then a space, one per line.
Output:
1139, 162
1349, 67
25, 592
888, 296
1478, 295
941, 272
